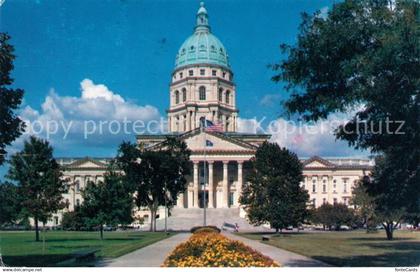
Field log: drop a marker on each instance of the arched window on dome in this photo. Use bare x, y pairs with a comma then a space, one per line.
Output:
176, 97
202, 93
184, 94
227, 99
221, 94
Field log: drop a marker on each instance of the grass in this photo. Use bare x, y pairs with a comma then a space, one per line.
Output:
20, 249
353, 248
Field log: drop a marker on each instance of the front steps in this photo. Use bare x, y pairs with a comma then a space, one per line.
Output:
182, 219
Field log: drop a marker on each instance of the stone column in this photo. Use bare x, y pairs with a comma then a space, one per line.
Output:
330, 189
211, 185
180, 201
188, 120
240, 182
225, 128
225, 187
195, 184
193, 120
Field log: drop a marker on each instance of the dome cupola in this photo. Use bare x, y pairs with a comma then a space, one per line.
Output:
202, 47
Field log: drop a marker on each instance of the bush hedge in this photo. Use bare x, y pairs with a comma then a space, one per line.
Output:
205, 229
209, 249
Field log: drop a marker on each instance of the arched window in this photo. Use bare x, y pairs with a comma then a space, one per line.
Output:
77, 186
314, 186
176, 97
184, 95
220, 94
227, 99
202, 93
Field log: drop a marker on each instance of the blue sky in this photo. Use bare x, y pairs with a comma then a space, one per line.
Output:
127, 48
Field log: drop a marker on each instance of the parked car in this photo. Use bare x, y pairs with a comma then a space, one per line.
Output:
230, 227
109, 228
344, 227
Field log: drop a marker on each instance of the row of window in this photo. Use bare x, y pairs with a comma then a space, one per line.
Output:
202, 47
203, 73
202, 95
346, 201
324, 186
77, 183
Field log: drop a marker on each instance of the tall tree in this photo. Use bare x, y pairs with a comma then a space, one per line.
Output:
273, 194
394, 201
11, 126
40, 185
363, 56
10, 203
107, 202
157, 176
364, 204
335, 215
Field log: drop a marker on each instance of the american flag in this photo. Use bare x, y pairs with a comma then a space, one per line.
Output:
213, 127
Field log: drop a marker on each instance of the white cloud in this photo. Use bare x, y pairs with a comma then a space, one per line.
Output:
63, 120
323, 12
303, 138
92, 91
270, 100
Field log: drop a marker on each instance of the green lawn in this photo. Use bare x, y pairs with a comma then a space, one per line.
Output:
354, 248
20, 249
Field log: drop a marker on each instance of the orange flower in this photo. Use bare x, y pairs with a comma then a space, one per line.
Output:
208, 249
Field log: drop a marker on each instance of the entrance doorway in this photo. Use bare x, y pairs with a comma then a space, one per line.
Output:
201, 198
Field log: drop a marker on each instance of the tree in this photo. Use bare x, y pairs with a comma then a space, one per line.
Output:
394, 201
272, 193
333, 215
73, 220
364, 204
157, 176
11, 126
107, 202
363, 56
10, 204
40, 186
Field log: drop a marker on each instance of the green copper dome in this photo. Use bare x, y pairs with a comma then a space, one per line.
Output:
202, 47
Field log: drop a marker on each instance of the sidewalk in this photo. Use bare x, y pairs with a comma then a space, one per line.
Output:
283, 257
149, 256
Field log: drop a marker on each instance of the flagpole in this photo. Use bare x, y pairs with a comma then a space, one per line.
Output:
205, 178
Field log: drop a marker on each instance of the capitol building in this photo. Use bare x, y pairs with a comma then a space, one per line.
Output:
202, 87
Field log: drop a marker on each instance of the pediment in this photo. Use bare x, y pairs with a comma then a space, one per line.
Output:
216, 141
86, 163
317, 162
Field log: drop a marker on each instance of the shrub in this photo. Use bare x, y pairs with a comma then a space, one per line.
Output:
209, 249
73, 220
205, 229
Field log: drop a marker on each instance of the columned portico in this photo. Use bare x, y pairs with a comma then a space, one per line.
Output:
224, 184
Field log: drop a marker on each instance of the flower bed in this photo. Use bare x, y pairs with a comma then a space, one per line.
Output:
209, 249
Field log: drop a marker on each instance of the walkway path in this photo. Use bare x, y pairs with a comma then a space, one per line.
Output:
283, 257
149, 256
